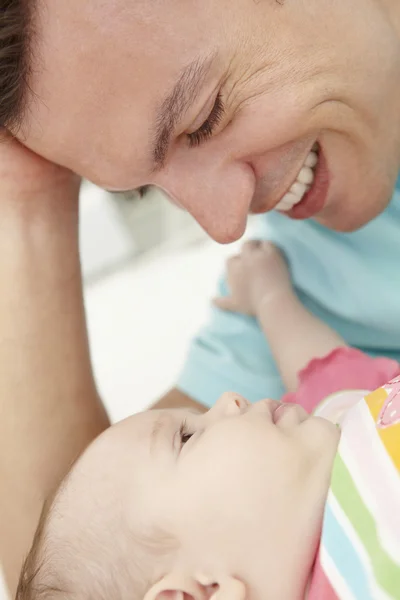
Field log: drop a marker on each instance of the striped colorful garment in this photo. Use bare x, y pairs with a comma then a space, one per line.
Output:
359, 555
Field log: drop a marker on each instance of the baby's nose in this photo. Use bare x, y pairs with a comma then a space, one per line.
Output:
229, 404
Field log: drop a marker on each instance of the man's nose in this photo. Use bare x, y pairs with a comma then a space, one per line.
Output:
217, 193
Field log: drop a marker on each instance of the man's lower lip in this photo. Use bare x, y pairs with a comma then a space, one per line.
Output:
314, 200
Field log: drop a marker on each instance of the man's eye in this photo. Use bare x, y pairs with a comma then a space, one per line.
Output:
185, 434
206, 130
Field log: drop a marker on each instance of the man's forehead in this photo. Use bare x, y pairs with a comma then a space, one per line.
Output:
102, 14
105, 108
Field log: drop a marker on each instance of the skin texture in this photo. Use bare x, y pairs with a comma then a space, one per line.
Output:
260, 505
286, 76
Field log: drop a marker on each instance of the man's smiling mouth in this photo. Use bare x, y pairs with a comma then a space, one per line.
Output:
302, 184
308, 194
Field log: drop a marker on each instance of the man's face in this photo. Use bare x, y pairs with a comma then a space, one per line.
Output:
219, 102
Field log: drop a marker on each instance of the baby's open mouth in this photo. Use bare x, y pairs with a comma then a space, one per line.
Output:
303, 183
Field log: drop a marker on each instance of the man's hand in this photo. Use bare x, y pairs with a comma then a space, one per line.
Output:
26, 176
255, 276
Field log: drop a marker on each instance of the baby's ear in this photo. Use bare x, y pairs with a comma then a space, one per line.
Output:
177, 586
228, 588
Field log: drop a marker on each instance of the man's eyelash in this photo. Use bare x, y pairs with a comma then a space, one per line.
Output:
206, 130
184, 433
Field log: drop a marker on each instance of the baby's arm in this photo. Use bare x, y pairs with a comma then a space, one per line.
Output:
260, 286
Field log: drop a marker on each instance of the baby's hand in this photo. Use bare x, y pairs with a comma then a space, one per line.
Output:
255, 276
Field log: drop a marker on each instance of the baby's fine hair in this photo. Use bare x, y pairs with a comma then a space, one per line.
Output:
124, 569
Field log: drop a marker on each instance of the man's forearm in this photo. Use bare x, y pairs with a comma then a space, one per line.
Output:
49, 407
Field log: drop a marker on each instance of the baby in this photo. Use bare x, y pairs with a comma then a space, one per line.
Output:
244, 502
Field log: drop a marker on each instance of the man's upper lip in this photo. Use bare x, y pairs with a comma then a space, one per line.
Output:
270, 204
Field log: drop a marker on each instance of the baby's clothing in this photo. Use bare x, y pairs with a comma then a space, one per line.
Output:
350, 281
359, 554
343, 369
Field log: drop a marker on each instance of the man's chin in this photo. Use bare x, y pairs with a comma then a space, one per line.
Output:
345, 223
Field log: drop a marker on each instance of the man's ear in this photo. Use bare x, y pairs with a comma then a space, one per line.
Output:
178, 586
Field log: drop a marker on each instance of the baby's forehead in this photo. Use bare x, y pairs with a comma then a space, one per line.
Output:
118, 465
123, 439
117, 478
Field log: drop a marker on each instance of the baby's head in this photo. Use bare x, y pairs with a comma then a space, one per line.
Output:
174, 505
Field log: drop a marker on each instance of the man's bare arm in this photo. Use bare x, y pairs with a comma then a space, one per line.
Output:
49, 407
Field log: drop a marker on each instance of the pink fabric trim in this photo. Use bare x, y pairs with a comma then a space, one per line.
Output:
343, 369
320, 588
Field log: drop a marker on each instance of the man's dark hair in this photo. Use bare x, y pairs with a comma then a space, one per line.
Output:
15, 58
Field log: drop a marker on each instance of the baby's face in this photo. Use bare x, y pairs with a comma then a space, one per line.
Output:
239, 490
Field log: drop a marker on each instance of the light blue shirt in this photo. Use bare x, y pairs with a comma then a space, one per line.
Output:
351, 281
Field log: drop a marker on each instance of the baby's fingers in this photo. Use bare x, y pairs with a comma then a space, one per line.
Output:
234, 263
251, 246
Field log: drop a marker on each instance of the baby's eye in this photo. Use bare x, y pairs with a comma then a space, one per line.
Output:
185, 438
185, 434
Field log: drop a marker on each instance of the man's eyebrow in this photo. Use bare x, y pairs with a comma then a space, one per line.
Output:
175, 105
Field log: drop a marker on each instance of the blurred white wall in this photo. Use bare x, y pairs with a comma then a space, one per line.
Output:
141, 320
104, 239
150, 274
115, 228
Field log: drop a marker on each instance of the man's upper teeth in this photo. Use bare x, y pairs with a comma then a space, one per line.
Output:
302, 184
311, 159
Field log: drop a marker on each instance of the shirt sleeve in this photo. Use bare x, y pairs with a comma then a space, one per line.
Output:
230, 354
343, 369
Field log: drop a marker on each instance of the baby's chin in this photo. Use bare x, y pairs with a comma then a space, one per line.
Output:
321, 438
323, 434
